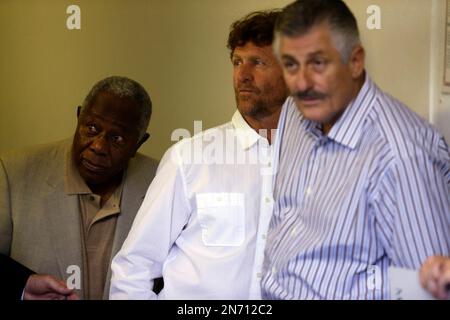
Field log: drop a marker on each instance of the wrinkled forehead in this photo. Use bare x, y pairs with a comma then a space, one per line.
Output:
109, 107
249, 49
319, 38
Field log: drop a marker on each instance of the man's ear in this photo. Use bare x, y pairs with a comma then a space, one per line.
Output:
357, 61
78, 111
141, 142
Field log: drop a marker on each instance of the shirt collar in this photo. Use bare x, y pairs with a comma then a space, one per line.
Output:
348, 129
247, 136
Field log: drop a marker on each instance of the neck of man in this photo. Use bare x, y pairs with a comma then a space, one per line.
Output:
264, 125
359, 82
106, 190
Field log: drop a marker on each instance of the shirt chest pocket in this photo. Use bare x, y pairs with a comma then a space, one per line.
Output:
222, 218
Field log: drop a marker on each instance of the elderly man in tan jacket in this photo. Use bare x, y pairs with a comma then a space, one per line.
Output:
66, 207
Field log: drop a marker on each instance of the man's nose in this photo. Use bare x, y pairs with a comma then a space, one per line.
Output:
303, 80
245, 73
99, 144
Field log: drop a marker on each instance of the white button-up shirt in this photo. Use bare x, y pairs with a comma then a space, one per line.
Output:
204, 220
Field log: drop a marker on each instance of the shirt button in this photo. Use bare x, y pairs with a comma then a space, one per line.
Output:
267, 200
294, 232
308, 191
92, 198
264, 237
258, 275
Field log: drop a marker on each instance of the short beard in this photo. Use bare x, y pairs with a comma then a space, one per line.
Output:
262, 109
259, 111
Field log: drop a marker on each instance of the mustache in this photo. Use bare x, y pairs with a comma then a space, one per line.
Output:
309, 94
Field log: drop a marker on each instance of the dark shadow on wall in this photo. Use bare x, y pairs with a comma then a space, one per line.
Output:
443, 124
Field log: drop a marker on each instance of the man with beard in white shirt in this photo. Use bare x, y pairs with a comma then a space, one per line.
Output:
203, 223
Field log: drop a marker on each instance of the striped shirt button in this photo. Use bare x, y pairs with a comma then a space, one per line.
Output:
308, 191
294, 232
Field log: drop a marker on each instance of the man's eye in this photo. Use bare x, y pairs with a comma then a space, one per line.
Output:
92, 128
319, 64
259, 62
289, 66
236, 63
118, 140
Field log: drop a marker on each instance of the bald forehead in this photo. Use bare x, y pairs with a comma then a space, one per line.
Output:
121, 111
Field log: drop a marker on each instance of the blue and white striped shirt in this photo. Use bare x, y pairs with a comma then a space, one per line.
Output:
375, 192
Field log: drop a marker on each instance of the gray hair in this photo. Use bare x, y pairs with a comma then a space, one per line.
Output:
300, 16
124, 87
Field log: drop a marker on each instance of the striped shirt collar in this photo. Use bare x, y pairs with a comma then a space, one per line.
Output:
247, 136
347, 131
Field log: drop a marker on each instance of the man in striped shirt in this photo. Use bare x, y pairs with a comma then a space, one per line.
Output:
363, 183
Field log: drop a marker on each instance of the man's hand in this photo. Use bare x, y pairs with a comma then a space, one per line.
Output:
435, 276
44, 287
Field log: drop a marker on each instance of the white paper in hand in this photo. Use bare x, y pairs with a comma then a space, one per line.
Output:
405, 285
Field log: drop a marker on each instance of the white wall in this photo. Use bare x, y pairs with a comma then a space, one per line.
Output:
176, 49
